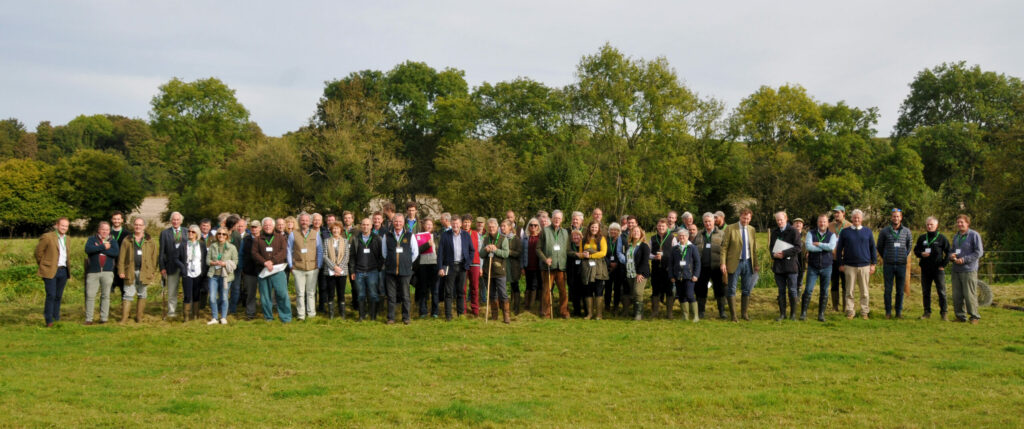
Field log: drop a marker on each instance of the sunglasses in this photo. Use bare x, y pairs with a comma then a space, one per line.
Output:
219, 234
534, 226
897, 211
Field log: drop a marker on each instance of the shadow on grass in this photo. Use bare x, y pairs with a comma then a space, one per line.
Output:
183, 407
495, 412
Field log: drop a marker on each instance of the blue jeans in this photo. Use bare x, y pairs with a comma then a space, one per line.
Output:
813, 274
899, 274
366, 287
218, 298
279, 284
236, 287
54, 294
746, 271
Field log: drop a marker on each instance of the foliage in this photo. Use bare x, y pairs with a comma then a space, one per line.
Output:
27, 198
96, 183
477, 176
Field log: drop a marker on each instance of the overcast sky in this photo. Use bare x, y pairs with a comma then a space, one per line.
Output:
62, 59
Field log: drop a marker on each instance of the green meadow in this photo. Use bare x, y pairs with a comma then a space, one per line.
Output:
533, 373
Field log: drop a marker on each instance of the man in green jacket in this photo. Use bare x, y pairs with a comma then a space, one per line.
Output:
551, 249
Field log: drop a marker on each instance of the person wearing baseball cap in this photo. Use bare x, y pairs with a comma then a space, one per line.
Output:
838, 224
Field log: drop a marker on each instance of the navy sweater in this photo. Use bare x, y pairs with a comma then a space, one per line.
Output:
857, 247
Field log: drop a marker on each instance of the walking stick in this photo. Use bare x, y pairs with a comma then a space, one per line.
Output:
163, 285
487, 311
550, 296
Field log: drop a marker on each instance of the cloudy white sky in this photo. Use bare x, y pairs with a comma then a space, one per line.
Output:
59, 59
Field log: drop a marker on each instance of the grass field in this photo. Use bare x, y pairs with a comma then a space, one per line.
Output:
611, 373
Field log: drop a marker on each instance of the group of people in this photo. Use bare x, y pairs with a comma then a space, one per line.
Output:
598, 267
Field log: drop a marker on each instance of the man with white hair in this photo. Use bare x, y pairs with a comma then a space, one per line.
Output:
172, 260
784, 264
269, 250
857, 255
932, 251
305, 255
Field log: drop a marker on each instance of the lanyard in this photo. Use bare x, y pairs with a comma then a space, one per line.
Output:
269, 241
960, 239
707, 236
821, 235
177, 235
686, 249
631, 251
348, 235
62, 240
928, 243
366, 243
495, 241
117, 237
139, 243
662, 242
220, 252
305, 236
895, 234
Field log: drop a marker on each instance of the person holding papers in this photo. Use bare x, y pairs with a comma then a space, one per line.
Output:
785, 245
271, 252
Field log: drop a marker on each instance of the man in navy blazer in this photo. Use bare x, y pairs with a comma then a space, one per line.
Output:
172, 259
454, 256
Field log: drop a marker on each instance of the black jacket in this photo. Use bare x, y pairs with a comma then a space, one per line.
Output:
789, 264
642, 259
692, 267
358, 261
446, 250
172, 258
939, 256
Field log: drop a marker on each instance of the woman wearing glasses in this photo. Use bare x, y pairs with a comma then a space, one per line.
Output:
222, 258
531, 263
195, 265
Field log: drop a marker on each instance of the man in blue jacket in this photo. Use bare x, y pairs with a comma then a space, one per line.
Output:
454, 256
102, 251
172, 260
967, 250
856, 253
894, 246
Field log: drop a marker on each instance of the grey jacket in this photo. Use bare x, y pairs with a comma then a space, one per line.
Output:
894, 246
967, 246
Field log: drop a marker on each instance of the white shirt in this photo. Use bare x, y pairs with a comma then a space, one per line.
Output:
62, 251
457, 244
195, 259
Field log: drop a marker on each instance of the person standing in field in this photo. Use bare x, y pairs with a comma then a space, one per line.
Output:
932, 250
305, 256
594, 269
894, 246
638, 267
552, 249
250, 269
685, 269
51, 255
269, 250
365, 263
661, 249
137, 267
819, 244
967, 250
172, 260
572, 273
615, 260
222, 260
102, 252
336, 268
426, 271
494, 259
798, 225
473, 276
839, 285
195, 270
857, 255
514, 267
399, 255
532, 263
785, 264
455, 254
117, 233
739, 261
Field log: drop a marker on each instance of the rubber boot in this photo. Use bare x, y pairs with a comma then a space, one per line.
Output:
529, 300
600, 307
330, 310
126, 310
701, 305
140, 310
835, 299
720, 302
687, 309
696, 315
822, 306
669, 302
590, 307
781, 299
732, 308
792, 306
185, 309
195, 310
744, 303
341, 310
373, 312
803, 307
627, 305
517, 300
654, 306
494, 310
638, 311
506, 319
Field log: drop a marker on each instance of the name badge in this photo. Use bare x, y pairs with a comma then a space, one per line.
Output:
366, 251
895, 244
177, 245
303, 250
957, 251
138, 252
269, 249
399, 250
682, 263
593, 264
707, 246
578, 261
556, 248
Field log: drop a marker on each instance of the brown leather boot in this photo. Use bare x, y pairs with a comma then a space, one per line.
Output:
126, 310
140, 310
494, 310
669, 303
184, 312
195, 310
654, 306
506, 318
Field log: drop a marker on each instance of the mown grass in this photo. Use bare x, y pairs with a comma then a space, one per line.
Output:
535, 373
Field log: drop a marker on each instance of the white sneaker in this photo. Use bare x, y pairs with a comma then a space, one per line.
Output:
212, 322
223, 321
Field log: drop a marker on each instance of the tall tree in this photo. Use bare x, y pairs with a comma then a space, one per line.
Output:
28, 201
96, 183
202, 120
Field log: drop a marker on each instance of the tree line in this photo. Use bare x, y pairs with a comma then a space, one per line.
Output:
627, 135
